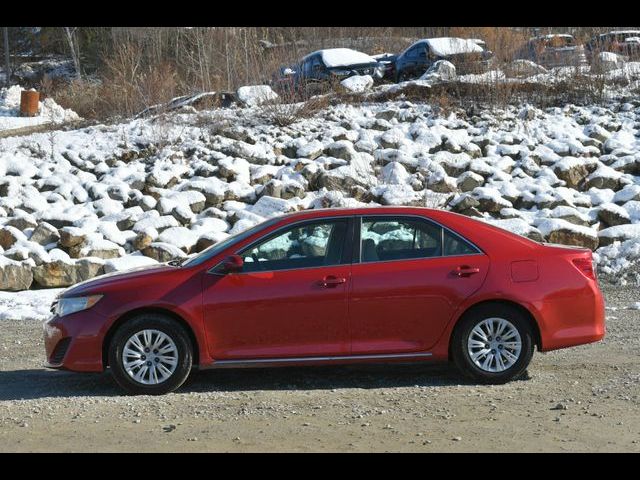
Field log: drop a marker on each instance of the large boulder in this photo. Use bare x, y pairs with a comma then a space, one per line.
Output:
252, 95
72, 236
442, 70
566, 233
571, 170
44, 234
357, 83
611, 215
607, 61
163, 252
10, 235
522, 68
619, 233
14, 276
22, 222
63, 274
520, 227
469, 180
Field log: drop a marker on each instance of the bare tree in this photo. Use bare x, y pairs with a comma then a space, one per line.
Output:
72, 40
7, 64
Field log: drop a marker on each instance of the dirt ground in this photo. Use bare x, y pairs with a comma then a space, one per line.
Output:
580, 399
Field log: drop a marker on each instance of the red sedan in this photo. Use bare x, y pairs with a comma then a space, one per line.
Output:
334, 286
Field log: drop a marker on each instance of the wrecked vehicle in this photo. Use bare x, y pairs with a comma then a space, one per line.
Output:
467, 56
319, 70
554, 50
625, 43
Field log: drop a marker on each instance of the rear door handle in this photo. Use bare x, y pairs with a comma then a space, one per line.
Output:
331, 282
466, 271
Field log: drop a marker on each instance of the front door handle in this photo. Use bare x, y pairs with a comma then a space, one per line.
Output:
331, 282
466, 271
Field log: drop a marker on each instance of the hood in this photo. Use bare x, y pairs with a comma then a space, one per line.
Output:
113, 278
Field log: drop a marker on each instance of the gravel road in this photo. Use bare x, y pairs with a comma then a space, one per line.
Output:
580, 399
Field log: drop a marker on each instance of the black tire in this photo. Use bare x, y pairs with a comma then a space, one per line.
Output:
173, 330
460, 351
403, 76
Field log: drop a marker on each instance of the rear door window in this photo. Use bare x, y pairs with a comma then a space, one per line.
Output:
403, 238
388, 238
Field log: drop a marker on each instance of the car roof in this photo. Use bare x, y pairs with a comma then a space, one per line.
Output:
446, 46
336, 57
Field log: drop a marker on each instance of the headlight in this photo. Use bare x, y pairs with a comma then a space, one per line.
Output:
69, 305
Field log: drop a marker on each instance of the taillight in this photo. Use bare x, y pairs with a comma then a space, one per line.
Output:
585, 265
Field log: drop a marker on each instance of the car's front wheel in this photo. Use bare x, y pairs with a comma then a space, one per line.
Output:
150, 355
493, 344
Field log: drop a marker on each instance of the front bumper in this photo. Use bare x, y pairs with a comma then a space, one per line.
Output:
74, 342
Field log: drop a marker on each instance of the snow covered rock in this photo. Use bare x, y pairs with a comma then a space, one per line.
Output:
518, 226
570, 214
128, 262
442, 70
14, 276
604, 177
95, 245
572, 170
628, 193
619, 233
566, 233
10, 235
72, 236
22, 222
490, 200
208, 239
253, 95
181, 237
358, 83
524, 68
611, 215
163, 252
607, 61
44, 234
142, 240
63, 274
469, 181
310, 150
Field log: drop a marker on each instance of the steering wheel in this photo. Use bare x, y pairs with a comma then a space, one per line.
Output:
254, 256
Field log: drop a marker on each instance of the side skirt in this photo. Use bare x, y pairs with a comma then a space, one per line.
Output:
281, 362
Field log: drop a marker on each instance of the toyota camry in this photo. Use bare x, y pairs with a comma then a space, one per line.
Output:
335, 286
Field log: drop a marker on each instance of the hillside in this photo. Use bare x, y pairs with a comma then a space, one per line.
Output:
75, 204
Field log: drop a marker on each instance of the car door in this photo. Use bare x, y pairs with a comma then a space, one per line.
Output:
423, 60
409, 61
289, 299
410, 277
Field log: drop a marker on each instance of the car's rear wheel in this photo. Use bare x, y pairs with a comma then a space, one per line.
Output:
150, 355
493, 344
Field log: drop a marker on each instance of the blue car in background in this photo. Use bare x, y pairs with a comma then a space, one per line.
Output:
319, 70
467, 55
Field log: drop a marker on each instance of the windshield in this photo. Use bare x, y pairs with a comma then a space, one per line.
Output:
215, 249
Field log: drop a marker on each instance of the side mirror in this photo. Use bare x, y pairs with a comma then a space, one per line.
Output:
232, 264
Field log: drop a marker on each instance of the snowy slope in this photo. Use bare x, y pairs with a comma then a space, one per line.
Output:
75, 204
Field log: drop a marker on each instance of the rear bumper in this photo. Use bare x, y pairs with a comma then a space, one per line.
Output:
575, 318
74, 342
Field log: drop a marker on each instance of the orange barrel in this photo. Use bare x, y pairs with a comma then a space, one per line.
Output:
29, 103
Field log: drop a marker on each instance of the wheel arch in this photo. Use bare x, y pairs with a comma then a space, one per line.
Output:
158, 310
526, 313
